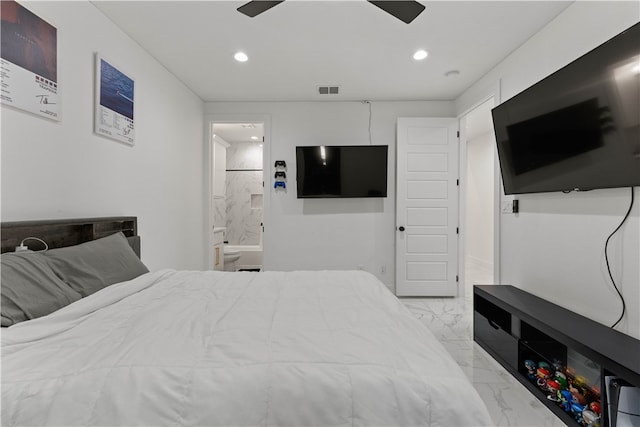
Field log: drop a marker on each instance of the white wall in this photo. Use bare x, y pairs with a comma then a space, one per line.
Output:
328, 233
62, 170
554, 247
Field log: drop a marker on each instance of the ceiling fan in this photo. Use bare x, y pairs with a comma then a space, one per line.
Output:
406, 11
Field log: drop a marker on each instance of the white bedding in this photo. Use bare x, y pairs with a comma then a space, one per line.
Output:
227, 349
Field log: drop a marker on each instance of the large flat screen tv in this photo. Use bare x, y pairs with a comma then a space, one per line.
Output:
577, 129
332, 171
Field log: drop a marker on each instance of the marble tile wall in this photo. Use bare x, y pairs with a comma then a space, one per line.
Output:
244, 155
244, 184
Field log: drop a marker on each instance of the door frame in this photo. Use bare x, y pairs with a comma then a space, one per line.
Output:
209, 121
492, 93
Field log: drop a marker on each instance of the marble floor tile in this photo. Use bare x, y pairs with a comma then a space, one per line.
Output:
451, 321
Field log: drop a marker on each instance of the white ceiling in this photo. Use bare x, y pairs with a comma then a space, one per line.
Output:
301, 44
239, 132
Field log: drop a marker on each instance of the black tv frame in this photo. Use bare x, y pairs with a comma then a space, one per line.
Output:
562, 134
333, 190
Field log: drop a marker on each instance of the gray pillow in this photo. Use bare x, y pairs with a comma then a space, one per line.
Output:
30, 288
91, 266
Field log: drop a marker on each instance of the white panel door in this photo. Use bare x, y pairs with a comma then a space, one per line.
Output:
427, 207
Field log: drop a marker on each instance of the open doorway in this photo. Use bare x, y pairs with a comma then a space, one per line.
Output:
478, 196
237, 199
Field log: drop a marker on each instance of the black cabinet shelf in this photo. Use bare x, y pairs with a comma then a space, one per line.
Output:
513, 325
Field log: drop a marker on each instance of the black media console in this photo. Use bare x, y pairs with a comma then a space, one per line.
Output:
518, 328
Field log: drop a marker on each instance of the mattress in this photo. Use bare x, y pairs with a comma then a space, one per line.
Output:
212, 348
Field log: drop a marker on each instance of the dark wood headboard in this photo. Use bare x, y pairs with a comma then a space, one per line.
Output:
59, 233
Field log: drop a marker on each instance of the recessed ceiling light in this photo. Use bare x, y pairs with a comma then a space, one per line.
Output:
255, 138
241, 57
420, 55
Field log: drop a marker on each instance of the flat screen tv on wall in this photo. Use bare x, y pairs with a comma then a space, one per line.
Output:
326, 171
577, 129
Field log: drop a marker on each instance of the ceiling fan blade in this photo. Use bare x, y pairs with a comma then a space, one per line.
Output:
256, 7
406, 11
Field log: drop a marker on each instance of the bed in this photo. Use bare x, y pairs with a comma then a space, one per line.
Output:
302, 348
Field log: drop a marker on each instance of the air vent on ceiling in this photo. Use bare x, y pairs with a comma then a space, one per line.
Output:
328, 90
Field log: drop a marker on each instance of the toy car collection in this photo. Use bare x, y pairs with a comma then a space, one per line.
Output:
571, 393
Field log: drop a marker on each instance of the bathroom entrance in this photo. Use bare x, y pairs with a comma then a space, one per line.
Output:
238, 196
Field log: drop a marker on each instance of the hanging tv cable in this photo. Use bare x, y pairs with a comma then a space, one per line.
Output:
369, 104
606, 258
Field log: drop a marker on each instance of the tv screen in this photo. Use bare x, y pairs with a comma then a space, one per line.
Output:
577, 129
327, 171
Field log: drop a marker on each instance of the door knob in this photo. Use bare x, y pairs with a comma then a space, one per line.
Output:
401, 228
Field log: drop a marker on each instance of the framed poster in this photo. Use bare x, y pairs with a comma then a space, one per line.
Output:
114, 102
28, 61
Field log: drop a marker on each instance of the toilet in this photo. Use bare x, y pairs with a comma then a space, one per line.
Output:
230, 258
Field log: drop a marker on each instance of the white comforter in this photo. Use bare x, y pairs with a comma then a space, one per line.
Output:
229, 349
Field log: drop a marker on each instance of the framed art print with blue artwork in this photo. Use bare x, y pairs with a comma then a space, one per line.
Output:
114, 115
